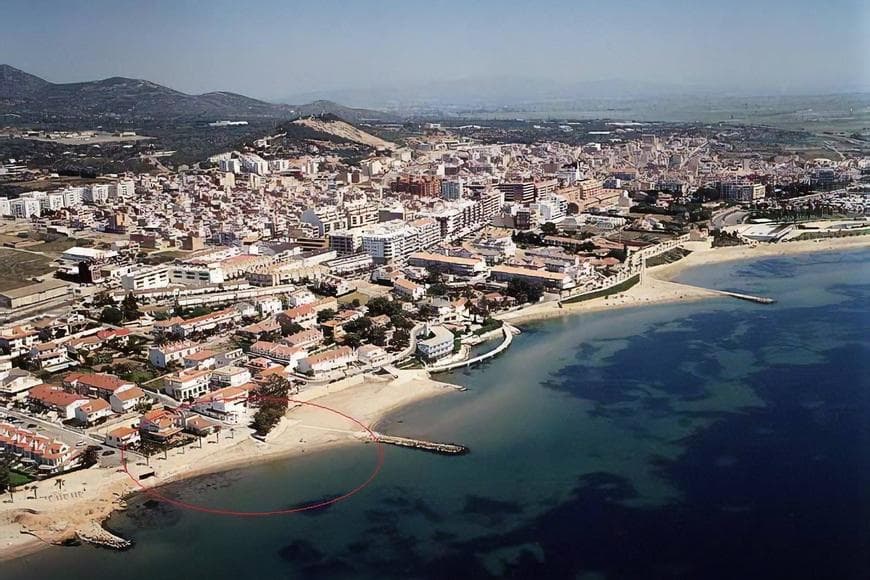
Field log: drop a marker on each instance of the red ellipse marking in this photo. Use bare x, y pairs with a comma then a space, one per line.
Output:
152, 491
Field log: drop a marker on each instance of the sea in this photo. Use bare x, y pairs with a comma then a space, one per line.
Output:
713, 439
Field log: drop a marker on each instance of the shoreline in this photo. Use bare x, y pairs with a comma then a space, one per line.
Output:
91, 496
658, 286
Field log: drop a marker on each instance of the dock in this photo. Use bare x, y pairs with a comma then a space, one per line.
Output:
430, 446
747, 297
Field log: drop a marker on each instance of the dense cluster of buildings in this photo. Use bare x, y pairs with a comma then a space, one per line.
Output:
260, 251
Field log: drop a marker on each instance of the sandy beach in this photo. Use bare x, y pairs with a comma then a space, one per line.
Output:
657, 286
87, 497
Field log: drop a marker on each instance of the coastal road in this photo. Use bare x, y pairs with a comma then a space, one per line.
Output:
729, 217
66, 434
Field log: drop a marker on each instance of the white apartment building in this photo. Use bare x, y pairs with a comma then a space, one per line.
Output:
73, 196
146, 278
96, 194
122, 189
25, 208
230, 166
551, 209
360, 213
254, 164
326, 219
390, 241
436, 346
196, 275
345, 242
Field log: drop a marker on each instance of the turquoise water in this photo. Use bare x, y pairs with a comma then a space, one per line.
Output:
717, 439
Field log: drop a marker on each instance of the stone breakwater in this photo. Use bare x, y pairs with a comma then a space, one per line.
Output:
431, 446
99, 536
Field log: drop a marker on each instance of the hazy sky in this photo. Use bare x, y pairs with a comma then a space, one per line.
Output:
275, 48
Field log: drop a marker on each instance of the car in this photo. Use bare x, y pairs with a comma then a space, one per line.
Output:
81, 443
108, 452
31, 425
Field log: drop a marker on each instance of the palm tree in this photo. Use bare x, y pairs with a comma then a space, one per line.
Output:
34, 490
58, 483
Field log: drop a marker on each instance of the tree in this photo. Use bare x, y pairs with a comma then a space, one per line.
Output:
401, 339
438, 289
112, 315
361, 326
524, 291
381, 305
401, 321
378, 336
5, 474
325, 314
90, 456
272, 400
353, 340
288, 327
130, 307
548, 229
103, 298
427, 312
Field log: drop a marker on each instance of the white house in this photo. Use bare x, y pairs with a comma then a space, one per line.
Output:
187, 384
371, 354
438, 343
268, 306
123, 437
230, 376
56, 399
164, 355
407, 289
228, 404
300, 297
326, 361
92, 411
127, 399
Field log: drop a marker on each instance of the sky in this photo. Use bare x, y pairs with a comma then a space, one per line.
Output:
274, 49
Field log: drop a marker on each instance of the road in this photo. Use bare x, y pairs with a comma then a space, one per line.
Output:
729, 217
66, 434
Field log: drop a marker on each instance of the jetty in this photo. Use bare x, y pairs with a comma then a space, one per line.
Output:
99, 536
430, 446
747, 297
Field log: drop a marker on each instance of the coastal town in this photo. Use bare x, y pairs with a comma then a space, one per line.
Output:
145, 313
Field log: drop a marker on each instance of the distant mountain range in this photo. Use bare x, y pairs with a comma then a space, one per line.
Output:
26, 97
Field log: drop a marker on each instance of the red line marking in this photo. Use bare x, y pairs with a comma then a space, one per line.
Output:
153, 492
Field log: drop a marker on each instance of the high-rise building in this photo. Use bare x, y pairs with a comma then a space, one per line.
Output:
518, 191
453, 189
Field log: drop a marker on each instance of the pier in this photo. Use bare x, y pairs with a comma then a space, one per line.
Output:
430, 446
748, 297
